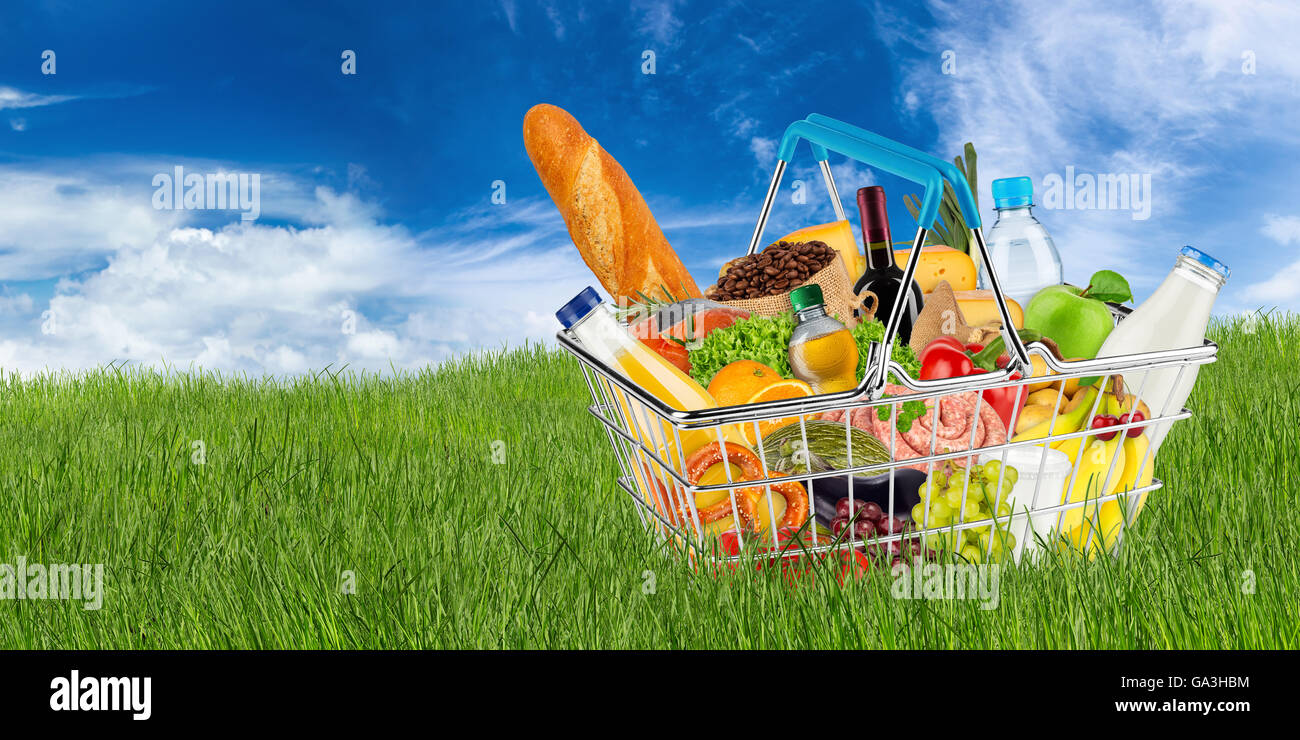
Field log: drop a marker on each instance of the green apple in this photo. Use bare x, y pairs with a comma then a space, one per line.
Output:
1077, 322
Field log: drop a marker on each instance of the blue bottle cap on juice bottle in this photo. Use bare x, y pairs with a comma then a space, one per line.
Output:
578, 307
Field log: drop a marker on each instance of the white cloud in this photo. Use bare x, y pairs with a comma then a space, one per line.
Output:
511, 13
553, 15
1282, 229
14, 98
18, 124
1282, 285
658, 21
269, 299
764, 151
53, 224
21, 304
1037, 89
1108, 87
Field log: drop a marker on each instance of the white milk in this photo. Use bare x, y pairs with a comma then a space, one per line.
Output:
1174, 317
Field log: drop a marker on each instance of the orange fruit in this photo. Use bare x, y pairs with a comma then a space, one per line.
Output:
735, 383
778, 391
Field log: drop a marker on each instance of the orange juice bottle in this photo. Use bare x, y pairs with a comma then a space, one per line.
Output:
823, 353
586, 318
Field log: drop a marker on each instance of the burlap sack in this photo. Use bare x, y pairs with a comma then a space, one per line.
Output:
941, 315
837, 289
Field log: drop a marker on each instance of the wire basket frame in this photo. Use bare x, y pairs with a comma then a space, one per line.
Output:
648, 444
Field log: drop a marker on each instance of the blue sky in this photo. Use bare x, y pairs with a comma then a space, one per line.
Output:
378, 243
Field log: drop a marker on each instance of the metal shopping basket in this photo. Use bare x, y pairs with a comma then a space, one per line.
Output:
647, 435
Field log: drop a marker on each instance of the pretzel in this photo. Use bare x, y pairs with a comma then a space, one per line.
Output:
796, 499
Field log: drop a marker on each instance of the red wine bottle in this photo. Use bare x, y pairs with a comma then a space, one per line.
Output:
882, 276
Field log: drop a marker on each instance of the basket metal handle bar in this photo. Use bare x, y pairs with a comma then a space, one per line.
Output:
949, 171
823, 134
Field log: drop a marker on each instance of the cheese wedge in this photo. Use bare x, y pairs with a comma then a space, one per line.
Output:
839, 236
979, 308
941, 263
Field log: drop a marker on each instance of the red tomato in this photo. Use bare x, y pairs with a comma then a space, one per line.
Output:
852, 563
939, 362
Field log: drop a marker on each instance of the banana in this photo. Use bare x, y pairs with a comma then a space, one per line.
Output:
1138, 464
1069, 420
1094, 458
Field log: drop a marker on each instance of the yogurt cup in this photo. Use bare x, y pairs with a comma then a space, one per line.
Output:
1056, 469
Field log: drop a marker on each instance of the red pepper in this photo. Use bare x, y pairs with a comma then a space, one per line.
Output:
974, 348
943, 361
1004, 400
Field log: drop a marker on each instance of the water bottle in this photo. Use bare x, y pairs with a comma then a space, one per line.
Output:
1022, 252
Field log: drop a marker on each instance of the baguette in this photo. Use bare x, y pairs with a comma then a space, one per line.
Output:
608, 219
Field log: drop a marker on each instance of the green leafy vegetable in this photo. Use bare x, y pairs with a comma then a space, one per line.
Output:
759, 338
867, 332
766, 339
911, 411
1110, 286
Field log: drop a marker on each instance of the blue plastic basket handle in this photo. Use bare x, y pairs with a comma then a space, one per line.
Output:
875, 154
824, 135
965, 200
954, 177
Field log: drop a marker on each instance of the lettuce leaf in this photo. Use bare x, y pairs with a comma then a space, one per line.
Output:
766, 339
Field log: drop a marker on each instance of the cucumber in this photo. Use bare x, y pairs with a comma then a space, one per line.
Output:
826, 451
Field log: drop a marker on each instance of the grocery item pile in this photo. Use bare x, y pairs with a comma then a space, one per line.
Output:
885, 478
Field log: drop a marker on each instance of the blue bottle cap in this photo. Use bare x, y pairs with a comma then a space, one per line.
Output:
1010, 192
1206, 260
578, 307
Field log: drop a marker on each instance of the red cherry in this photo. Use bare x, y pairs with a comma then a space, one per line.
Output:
1134, 417
1103, 421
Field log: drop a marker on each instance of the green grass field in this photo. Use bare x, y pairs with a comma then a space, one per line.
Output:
393, 479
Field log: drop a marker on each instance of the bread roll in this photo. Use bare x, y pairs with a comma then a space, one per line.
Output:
608, 219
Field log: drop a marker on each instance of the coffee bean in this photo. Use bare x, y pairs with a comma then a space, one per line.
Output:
778, 269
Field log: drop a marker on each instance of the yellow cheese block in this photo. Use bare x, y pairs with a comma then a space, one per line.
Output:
979, 308
941, 263
839, 236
